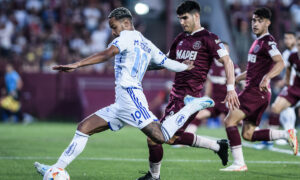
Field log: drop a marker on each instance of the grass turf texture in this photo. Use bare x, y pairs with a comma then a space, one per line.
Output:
123, 154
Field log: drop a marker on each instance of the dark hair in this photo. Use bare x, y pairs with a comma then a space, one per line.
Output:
188, 7
120, 13
263, 13
291, 33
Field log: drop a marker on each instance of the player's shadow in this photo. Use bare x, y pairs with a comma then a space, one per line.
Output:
277, 176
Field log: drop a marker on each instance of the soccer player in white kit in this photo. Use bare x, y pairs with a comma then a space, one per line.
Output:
133, 53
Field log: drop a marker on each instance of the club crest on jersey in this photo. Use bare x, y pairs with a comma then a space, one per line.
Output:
197, 45
180, 120
256, 48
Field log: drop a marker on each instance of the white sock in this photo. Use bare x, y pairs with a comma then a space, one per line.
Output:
237, 154
205, 143
73, 150
155, 169
278, 134
173, 123
288, 118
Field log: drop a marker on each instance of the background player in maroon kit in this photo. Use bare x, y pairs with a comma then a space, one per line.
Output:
291, 95
264, 63
202, 47
215, 87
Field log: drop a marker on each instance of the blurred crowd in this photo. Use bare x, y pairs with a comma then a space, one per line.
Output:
36, 34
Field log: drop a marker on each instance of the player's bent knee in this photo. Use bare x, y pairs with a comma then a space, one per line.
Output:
151, 142
247, 135
275, 109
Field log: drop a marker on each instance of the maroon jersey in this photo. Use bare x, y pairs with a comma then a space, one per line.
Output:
202, 47
260, 59
217, 77
294, 62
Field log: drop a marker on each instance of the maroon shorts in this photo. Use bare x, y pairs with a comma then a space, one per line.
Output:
218, 109
292, 94
254, 103
174, 105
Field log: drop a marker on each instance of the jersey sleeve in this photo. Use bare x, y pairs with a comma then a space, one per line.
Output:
216, 47
272, 48
120, 42
157, 56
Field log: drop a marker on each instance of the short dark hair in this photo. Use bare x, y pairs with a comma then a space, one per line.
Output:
188, 7
263, 13
120, 13
291, 33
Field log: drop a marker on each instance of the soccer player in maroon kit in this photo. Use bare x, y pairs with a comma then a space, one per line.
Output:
202, 47
215, 88
264, 63
291, 95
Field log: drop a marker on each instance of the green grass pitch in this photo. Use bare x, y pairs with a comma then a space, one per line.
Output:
122, 155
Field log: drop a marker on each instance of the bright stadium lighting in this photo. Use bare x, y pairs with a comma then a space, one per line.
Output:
141, 8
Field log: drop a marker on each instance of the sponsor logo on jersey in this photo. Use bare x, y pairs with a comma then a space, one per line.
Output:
197, 45
252, 58
180, 120
186, 55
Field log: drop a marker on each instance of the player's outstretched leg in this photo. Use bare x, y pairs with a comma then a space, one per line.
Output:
192, 105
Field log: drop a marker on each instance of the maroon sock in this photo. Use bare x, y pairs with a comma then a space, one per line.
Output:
196, 122
185, 139
274, 119
233, 136
261, 135
155, 153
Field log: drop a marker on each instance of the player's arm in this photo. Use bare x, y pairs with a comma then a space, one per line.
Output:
288, 75
176, 66
93, 59
162, 60
231, 97
276, 69
208, 87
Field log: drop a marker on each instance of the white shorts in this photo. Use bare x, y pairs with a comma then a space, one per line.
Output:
131, 107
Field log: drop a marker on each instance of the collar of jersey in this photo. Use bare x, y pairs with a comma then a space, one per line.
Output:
202, 28
263, 35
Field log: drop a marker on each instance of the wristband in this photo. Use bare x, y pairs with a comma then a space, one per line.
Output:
230, 87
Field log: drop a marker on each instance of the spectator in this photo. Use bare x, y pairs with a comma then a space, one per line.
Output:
10, 103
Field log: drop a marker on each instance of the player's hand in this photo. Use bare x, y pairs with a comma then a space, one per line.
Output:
65, 68
189, 63
264, 84
232, 100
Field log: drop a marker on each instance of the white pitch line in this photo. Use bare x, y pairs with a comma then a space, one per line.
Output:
141, 160
274, 149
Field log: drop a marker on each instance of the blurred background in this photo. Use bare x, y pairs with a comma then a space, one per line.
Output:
38, 34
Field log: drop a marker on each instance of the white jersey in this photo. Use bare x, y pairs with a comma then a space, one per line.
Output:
136, 52
285, 55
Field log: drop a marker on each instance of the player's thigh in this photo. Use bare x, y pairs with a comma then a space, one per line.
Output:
234, 117
92, 124
280, 104
248, 130
203, 114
